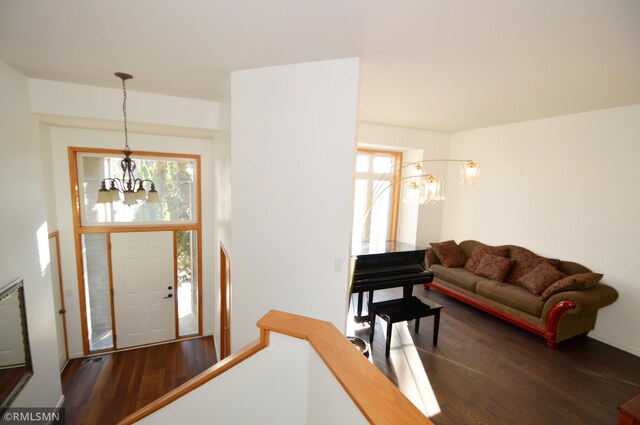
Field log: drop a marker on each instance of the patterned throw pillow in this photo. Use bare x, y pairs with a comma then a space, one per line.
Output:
494, 267
571, 283
449, 253
525, 261
479, 251
538, 279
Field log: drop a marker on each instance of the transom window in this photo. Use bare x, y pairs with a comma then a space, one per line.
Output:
174, 179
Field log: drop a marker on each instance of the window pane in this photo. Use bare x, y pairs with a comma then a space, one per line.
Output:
380, 216
382, 164
374, 189
174, 180
187, 282
97, 293
362, 162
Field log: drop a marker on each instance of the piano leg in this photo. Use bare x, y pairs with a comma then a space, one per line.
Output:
407, 291
372, 322
359, 318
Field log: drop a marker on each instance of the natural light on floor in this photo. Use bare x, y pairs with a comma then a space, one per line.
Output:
405, 362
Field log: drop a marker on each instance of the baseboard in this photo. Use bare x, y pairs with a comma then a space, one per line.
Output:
59, 407
60, 402
216, 345
614, 342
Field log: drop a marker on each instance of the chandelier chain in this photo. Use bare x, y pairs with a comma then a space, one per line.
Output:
124, 110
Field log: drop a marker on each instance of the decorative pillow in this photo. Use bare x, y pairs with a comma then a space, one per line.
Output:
526, 261
494, 267
479, 251
571, 283
449, 253
538, 279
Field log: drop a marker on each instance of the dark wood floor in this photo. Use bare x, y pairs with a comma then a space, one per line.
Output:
486, 371
105, 389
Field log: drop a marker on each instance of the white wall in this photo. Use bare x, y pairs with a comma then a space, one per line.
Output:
421, 224
24, 246
269, 387
293, 132
61, 139
285, 383
92, 102
222, 201
565, 187
328, 402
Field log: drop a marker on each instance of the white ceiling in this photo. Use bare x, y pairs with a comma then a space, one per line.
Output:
445, 65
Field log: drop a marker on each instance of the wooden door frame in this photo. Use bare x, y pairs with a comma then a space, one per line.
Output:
225, 303
79, 230
55, 235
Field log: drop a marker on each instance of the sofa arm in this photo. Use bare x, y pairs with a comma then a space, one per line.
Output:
586, 301
430, 257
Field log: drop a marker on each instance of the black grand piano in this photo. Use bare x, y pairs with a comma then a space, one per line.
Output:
393, 265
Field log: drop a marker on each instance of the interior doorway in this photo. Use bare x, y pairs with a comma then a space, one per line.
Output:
225, 303
58, 300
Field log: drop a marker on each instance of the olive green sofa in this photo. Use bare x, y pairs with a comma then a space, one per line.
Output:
562, 316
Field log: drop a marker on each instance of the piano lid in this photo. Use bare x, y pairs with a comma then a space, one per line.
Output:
389, 247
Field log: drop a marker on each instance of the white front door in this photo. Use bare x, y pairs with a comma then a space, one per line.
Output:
58, 303
143, 287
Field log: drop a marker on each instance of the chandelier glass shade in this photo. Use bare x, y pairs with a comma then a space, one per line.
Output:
469, 173
131, 188
427, 188
417, 186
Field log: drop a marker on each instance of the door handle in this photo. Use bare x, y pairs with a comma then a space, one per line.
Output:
62, 311
168, 296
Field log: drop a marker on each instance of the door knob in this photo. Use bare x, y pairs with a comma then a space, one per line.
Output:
62, 311
170, 288
168, 296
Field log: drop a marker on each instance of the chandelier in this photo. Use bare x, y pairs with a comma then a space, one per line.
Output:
428, 189
131, 188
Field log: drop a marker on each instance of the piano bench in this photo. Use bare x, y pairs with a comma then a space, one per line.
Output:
400, 310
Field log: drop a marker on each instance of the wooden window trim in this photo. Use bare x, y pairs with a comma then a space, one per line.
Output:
79, 230
395, 197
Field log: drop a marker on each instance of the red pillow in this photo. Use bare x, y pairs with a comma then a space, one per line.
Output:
538, 279
525, 261
571, 283
494, 267
449, 253
479, 251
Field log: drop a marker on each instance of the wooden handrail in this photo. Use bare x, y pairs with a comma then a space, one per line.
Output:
200, 379
378, 399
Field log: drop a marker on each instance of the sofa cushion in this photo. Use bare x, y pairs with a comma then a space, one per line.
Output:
458, 276
510, 295
449, 253
479, 251
571, 283
538, 279
524, 262
494, 267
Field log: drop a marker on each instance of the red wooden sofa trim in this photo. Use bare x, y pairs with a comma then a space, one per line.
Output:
549, 333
